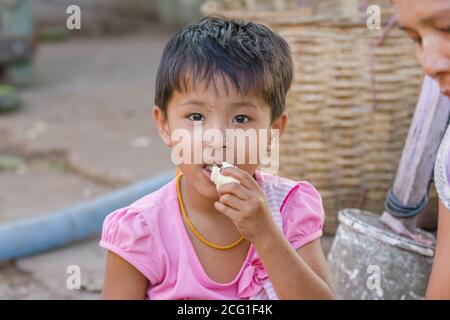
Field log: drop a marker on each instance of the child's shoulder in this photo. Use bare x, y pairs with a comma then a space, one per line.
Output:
283, 187
136, 232
144, 212
157, 199
300, 205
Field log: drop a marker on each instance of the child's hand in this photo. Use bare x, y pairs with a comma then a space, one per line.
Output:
245, 204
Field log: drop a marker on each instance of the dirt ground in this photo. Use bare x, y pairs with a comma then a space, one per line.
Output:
84, 129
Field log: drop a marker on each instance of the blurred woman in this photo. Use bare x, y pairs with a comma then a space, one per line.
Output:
427, 22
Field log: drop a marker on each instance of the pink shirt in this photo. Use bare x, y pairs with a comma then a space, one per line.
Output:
151, 236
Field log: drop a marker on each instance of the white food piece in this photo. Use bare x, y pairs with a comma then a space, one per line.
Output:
220, 179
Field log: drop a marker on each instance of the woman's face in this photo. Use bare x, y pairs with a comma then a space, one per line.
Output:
427, 22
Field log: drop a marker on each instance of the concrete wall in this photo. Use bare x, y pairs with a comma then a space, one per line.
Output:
97, 16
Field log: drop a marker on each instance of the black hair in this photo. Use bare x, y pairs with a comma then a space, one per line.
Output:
252, 57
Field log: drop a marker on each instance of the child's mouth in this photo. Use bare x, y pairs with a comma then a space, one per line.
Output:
207, 169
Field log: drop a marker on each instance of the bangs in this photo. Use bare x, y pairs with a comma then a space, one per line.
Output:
204, 77
245, 57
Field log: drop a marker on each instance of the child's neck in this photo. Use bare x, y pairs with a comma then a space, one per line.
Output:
195, 202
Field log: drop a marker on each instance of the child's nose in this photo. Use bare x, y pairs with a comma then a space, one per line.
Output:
215, 144
215, 140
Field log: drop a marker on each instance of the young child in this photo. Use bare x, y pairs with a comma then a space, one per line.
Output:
257, 238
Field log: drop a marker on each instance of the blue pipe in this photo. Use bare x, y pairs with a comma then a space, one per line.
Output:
31, 236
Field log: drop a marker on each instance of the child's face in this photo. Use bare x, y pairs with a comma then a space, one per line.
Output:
211, 107
428, 23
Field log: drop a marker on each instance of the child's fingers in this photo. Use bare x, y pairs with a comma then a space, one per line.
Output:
235, 189
241, 175
232, 201
226, 210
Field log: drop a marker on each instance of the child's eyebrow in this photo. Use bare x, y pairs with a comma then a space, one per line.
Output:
234, 104
194, 102
243, 104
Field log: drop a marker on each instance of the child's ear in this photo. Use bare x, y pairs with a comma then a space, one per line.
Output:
162, 124
280, 123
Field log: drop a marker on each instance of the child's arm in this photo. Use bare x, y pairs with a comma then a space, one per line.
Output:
312, 254
295, 274
122, 280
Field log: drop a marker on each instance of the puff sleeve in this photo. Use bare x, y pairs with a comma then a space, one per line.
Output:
126, 233
303, 215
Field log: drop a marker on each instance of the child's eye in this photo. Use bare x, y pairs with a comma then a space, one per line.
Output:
241, 118
196, 117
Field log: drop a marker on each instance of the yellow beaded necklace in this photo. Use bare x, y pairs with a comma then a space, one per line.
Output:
197, 234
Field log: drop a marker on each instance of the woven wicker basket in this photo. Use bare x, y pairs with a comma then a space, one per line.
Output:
350, 105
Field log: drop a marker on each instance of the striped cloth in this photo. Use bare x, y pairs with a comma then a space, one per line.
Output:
275, 194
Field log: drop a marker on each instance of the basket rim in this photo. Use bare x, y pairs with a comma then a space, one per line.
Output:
298, 17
